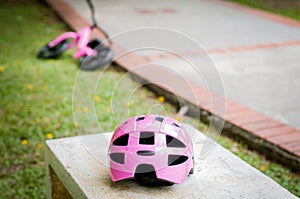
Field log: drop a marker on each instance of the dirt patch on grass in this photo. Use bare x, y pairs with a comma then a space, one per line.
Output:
289, 8
279, 4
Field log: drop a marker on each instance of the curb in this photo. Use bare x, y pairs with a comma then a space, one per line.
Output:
278, 141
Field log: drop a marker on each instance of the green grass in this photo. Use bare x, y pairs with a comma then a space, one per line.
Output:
36, 103
289, 8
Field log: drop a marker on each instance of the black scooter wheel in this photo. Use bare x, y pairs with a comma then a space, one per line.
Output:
104, 56
53, 52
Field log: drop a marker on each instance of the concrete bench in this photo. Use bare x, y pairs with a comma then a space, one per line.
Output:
77, 167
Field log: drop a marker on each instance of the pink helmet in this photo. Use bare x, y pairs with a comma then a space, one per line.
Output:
152, 149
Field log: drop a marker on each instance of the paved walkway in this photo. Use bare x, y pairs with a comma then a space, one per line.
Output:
257, 57
253, 57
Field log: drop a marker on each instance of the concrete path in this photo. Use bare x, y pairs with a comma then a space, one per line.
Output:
255, 54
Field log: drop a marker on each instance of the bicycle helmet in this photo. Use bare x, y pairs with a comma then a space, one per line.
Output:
151, 149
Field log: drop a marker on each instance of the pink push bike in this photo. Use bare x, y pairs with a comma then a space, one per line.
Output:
94, 54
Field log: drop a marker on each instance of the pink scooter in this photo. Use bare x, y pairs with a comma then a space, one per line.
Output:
94, 53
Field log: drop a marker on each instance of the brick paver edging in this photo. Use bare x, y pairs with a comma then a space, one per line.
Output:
273, 138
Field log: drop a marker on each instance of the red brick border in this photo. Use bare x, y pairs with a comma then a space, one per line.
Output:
285, 137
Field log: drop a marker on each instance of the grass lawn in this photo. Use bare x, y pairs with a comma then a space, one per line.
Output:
289, 8
36, 103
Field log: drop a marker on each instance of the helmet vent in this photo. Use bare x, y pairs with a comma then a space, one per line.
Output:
176, 159
118, 157
173, 142
145, 153
160, 119
122, 140
140, 118
174, 124
146, 138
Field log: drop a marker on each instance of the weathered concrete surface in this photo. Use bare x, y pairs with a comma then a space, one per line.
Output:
81, 164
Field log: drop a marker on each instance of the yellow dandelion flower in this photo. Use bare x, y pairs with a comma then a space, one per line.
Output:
49, 135
39, 146
85, 110
30, 86
52, 61
127, 104
107, 109
2, 69
178, 119
37, 120
96, 98
161, 99
24, 142
47, 120
76, 124
263, 167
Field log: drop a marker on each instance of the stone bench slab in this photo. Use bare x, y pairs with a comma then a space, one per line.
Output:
77, 167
